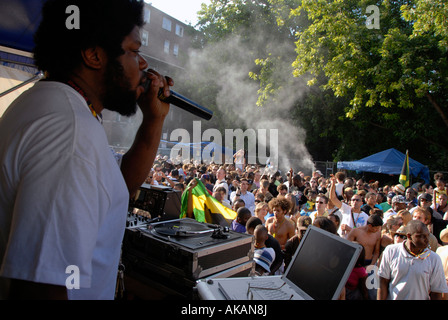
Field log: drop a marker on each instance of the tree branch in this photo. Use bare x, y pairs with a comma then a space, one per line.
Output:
419, 137
437, 107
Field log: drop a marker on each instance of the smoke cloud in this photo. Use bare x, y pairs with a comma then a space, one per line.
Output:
226, 65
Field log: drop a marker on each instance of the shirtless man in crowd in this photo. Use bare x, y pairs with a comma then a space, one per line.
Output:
279, 226
369, 236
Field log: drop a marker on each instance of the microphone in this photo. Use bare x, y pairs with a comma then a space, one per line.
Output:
186, 104
183, 103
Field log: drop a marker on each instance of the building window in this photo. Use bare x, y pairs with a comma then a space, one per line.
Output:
166, 47
144, 38
179, 30
166, 24
147, 15
176, 50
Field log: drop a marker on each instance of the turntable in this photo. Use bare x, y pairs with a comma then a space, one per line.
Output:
184, 250
189, 232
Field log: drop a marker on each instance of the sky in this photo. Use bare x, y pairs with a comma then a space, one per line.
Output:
183, 10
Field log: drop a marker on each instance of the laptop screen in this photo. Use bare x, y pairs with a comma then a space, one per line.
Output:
322, 264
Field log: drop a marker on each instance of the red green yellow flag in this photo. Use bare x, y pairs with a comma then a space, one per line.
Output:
205, 206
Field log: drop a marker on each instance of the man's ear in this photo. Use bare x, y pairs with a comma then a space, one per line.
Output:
94, 58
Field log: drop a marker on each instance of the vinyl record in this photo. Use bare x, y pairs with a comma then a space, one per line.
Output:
180, 228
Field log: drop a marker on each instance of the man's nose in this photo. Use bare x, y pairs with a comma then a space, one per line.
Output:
143, 63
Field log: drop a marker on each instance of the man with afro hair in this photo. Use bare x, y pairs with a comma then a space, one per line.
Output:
279, 225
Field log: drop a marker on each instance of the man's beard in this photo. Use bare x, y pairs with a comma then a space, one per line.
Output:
118, 95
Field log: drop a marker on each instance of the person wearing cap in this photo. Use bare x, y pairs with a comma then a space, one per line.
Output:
293, 243
263, 255
398, 203
424, 201
399, 235
399, 189
263, 261
436, 224
369, 236
444, 236
409, 270
317, 174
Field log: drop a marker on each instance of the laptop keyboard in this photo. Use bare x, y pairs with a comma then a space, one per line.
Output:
267, 290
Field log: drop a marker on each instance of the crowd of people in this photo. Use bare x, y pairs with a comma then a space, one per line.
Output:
64, 197
408, 225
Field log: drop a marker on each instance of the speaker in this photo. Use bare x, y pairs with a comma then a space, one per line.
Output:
156, 202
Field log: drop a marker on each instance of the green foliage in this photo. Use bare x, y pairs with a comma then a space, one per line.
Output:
395, 76
385, 67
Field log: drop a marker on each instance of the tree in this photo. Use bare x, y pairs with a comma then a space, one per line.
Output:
396, 75
389, 66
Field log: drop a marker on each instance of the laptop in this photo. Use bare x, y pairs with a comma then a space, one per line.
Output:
318, 270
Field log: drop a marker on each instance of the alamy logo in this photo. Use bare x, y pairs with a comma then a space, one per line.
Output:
73, 20
72, 281
373, 21
372, 281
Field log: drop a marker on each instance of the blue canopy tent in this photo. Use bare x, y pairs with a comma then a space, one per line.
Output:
388, 162
19, 20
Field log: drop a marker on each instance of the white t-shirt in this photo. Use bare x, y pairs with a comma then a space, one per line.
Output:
360, 218
387, 214
248, 198
63, 199
411, 278
339, 189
